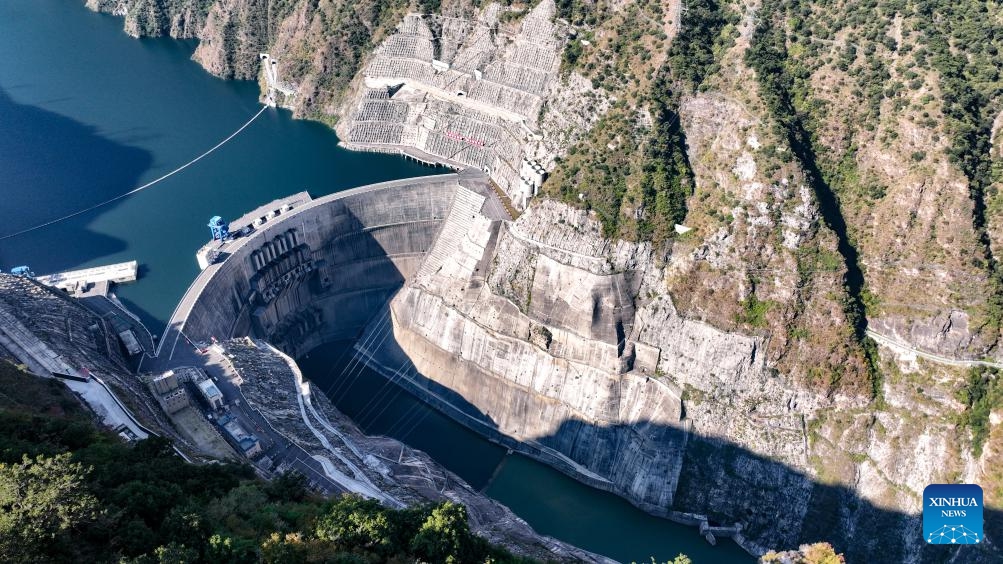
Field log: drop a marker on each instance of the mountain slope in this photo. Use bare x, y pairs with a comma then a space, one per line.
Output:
801, 172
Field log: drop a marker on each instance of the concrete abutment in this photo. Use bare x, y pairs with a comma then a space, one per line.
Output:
406, 267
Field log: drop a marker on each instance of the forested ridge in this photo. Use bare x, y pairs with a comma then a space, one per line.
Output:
632, 170
70, 492
834, 168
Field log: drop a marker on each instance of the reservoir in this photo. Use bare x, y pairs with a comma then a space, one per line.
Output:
87, 113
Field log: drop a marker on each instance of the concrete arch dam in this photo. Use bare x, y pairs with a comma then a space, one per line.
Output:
414, 267
304, 271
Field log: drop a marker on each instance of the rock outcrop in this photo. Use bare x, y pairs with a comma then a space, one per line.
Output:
555, 341
806, 171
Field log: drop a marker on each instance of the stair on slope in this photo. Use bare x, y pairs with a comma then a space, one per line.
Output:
466, 206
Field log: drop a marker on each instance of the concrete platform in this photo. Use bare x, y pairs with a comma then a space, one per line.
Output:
74, 281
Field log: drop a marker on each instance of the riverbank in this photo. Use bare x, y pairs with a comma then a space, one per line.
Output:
83, 137
550, 501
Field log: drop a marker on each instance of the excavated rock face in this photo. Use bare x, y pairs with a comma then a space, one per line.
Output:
481, 91
481, 104
725, 371
544, 351
564, 345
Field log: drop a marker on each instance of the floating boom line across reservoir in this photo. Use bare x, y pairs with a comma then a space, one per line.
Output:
139, 188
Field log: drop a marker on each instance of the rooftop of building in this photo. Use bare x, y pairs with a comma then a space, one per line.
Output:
209, 388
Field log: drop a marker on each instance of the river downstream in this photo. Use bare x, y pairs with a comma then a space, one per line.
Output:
87, 113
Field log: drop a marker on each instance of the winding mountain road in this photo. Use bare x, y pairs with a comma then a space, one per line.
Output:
897, 345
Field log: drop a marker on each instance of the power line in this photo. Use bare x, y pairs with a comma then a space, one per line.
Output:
347, 379
140, 188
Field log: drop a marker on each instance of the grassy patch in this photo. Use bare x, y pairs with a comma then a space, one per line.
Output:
754, 311
982, 391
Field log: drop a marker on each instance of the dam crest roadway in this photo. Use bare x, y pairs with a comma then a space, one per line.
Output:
227, 299
368, 265
340, 258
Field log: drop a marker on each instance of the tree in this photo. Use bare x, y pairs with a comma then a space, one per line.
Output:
445, 535
174, 553
356, 522
679, 559
288, 549
186, 526
291, 486
818, 553
292, 548
40, 500
821, 553
72, 493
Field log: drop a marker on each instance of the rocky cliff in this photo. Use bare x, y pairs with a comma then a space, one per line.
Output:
378, 467
560, 343
738, 192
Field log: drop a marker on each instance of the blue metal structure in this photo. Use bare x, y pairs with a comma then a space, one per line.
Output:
219, 228
22, 271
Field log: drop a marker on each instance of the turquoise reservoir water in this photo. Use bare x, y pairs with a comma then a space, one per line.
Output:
87, 113
550, 501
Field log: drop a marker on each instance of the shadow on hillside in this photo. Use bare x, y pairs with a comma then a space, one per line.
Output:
779, 506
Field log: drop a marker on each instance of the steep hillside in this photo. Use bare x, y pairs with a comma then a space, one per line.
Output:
702, 151
321, 43
779, 183
69, 492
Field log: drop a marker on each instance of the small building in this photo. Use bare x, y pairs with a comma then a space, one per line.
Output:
165, 383
126, 433
246, 442
211, 394
167, 387
265, 463
175, 400
130, 342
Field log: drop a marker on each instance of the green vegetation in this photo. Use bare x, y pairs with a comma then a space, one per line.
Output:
753, 311
981, 393
153, 17
708, 29
634, 174
350, 32
680, 559
964, 47
429, 6
69, 492
41, 497
784, 85
818, 553
871, 57
512, 16
577, 12
35, 395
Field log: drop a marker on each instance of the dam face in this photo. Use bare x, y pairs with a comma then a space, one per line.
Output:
305, 271
489, 321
